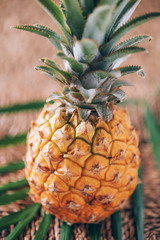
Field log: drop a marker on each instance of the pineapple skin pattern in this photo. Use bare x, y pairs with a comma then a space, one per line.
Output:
81, 170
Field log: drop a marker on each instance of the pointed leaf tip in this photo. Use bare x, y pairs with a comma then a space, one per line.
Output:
75, 18
97, 23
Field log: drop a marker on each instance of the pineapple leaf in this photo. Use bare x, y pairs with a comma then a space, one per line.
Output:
57, 96
132, 42
54, 73
116, 224
11, 167
105, 62
52, 36
131, 69
93, 79
43, 227
77, 97
100, 97
18, 195
75, 18
106, 85
85, 50
106, 48
119, 94
88, 94
107, 2
125, 14
116, 14
73, 66
102, 110
13, 185
55, 13
50, 63
15, 217
84, 113
22, 224
97, 23
67, 76
87, 6
13, 140
120, 83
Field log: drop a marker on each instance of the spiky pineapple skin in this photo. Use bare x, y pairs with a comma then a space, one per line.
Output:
81, 171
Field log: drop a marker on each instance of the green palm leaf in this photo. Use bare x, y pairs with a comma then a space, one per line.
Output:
18, 195
43, 227
95, 231
66, 232
138, 208
15, 217
154, 134
116, 224
13, 185
11, 167
22, 107
22, 224
13, 140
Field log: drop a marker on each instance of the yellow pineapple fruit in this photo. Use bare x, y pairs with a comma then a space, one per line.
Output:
82, 151
83, 171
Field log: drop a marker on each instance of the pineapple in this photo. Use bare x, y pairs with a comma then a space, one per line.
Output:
82, 151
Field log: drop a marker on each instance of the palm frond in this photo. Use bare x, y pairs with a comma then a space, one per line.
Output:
15, 217
13, 197
95, 231
22, 107
116, 224
22, 224
154, 134
43, 227
11, 167
138, 208
66, 232
13, 140
13, 185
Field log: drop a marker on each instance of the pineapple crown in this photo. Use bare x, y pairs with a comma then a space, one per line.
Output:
89, 45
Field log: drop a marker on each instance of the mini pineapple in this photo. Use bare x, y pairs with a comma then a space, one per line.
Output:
83, 157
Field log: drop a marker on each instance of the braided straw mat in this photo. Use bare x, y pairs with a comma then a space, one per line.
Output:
20, 83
